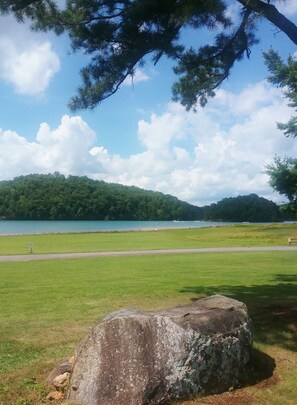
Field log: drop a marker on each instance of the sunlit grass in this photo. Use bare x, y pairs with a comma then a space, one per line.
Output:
235, 235
46, 307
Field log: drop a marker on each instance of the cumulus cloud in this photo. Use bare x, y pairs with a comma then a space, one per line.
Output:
199, 157
65, 149
27, 60
288, 8
139, 76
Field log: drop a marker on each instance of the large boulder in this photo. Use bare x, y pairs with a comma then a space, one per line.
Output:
144, 358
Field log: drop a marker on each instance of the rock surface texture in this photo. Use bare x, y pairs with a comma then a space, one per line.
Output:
144, 358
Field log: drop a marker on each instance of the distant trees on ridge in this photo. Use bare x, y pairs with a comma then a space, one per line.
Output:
56, 197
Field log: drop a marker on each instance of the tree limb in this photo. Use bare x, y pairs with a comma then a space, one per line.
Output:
270, 12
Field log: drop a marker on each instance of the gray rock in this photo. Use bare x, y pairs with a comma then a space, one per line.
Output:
145, 358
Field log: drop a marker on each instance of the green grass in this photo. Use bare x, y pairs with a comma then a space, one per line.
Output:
236, 235
46, 307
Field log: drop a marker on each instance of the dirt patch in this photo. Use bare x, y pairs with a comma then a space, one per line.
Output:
269, 382
238, 397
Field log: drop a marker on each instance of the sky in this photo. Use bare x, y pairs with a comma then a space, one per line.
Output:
139, 136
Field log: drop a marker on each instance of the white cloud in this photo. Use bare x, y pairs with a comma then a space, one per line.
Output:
139, 76
220, 151
160, 131
233, 11
249, 100
288, 8
64, 149
27, 60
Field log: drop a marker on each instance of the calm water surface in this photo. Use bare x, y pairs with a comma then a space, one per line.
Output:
39, 227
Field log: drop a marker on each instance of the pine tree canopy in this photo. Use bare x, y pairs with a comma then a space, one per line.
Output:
119, 36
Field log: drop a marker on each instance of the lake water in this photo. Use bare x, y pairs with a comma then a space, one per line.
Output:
39, 227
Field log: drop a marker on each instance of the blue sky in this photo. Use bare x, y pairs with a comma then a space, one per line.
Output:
139, 136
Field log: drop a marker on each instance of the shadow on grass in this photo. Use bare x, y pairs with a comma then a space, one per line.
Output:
263, 367
289, 278
272, 308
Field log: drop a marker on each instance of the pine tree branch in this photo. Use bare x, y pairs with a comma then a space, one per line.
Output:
270, 12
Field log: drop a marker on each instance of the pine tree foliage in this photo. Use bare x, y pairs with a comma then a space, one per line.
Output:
283, 172
119, 36
284, 75
283, 179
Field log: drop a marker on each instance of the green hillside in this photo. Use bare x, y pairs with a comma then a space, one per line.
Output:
55, 197
251, 208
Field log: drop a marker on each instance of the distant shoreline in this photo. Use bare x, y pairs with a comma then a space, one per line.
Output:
15, 228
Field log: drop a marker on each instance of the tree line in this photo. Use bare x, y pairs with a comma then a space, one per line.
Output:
247, 208
56, 197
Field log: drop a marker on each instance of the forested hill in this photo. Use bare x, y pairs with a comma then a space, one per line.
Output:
53, 196
251, 208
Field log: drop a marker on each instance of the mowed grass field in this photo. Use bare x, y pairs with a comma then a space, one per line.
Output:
46, 307
236, 235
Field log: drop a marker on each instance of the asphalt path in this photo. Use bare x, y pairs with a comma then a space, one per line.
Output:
83, 255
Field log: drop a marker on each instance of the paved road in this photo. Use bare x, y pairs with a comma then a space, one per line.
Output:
55, 256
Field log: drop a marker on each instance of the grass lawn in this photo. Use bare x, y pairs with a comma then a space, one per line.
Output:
46, 307
235, 235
